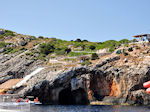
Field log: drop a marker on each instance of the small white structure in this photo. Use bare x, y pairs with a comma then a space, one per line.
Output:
143, 37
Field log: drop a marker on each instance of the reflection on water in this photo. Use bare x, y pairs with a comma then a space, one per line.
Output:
90, 109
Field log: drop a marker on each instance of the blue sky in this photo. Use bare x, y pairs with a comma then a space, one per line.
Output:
94, 20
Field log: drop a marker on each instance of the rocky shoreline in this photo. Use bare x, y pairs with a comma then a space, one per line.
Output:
103, 82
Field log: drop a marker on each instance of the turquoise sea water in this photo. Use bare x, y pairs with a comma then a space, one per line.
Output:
89, 108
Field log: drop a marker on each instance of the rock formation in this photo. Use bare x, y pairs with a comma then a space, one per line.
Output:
107, 82
116, 77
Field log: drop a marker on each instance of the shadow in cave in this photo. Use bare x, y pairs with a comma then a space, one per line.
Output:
76, 97
65, 97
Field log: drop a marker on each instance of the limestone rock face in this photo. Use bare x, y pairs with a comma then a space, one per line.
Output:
111, 79
16, 66
107, 82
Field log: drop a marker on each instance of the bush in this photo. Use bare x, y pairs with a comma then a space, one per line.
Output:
124, 41
41, 37
84, 58
8, 33
67, 50
78, 40
85, 41
94, 56
3, 44
30, 54
130, 49
71, 54
87, 62
126, 45
118, 52
92, 47
23, 49
46, 48
125, 53
134, 40
112, 49
8, 50
60, 52
1, 37
32, 38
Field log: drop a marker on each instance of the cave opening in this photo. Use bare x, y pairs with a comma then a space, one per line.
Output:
76, 97
80, 97
65, 97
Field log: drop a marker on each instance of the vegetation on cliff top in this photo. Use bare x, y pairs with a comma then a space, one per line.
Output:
47, 46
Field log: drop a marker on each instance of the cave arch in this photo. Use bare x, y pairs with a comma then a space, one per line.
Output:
76, 97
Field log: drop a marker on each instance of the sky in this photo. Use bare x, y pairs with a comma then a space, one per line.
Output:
93, 20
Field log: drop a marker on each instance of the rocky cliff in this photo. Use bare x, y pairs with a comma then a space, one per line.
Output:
113, 79
116, 77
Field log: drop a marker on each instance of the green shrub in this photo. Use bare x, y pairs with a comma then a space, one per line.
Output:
125, 53
124, 41
8, 50
3, 44
67, 50
94, 56
118, 52
41, 37
130, 49
87, 62
112, 49
30, 54
134, 40
60, 52
126, 45
78, 40
92, 47
71, 54
85, 41
8, 33
11, 50
46, 48
84, 58
23, 49
1, 37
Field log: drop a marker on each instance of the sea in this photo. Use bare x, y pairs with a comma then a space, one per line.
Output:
104, 108
78, 108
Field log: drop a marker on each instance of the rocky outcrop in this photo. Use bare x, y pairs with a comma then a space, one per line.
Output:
16, 65
106, 82
111, 79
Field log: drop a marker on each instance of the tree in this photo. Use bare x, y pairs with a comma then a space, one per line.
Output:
92, 47
78, 40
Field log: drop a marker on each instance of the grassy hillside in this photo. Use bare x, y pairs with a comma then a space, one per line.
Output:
12, 42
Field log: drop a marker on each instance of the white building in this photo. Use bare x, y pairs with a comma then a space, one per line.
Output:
143, 37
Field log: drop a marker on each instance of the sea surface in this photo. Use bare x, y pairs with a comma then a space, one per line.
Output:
90, 108
61, 108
